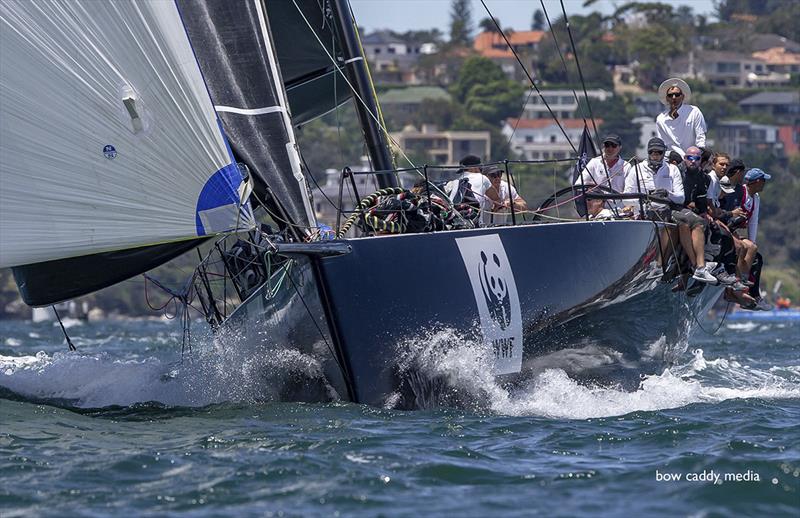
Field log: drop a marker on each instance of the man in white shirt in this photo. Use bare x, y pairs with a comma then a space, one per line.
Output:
654, 174
681, 125
471, 186
498, 213
660, 178
608, 170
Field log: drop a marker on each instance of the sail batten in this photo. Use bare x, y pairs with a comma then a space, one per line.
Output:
108, 135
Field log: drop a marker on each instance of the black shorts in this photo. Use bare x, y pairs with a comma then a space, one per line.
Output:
687, 217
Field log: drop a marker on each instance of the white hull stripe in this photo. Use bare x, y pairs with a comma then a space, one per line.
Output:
250, 111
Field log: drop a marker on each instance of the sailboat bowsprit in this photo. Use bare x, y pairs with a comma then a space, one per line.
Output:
168, 124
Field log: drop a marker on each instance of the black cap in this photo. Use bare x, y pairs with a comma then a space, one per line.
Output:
492, 170
614, 139
735, 165
656, 143
470, 161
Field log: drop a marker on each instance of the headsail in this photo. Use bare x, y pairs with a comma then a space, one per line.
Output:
108, 138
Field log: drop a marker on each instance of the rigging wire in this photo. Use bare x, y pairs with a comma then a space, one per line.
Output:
561, 55
530, 78
580, 75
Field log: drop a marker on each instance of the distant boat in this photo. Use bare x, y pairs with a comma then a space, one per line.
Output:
142, 130
776, 315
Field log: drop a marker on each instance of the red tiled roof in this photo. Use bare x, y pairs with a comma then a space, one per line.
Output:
492, 45
778, 56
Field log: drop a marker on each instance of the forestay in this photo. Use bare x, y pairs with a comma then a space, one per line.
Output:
108, 137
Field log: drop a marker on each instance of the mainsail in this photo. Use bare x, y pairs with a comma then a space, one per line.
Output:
108, 137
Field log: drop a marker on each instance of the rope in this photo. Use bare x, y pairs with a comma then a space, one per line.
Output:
64, 330
366, 202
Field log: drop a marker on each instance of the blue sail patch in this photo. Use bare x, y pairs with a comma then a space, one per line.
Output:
218, 203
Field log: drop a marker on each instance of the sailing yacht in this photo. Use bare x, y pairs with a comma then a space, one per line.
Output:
133, 132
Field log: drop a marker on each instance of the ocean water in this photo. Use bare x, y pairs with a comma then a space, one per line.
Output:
124, 427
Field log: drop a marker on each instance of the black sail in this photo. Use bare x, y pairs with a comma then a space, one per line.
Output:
312, 81
232, 49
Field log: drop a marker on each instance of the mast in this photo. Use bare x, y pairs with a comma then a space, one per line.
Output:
368, 109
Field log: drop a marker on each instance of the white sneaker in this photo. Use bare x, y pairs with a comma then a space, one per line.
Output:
704, 274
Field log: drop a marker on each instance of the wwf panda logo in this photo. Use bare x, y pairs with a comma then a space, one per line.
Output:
495, 289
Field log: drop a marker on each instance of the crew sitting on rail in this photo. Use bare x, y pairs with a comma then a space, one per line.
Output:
607, 170
693, 218
754, 181
497, 213
471, 187
657, 177
733, 217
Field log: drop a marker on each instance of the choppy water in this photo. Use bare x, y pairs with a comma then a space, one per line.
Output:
122, 427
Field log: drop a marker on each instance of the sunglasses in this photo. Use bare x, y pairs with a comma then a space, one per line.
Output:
494, 175
693, 158
610, 144
655, 152
675, 95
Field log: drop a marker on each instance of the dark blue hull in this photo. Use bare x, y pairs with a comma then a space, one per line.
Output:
588, 299
584, 297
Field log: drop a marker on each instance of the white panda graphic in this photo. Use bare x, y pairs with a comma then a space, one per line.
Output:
495, 289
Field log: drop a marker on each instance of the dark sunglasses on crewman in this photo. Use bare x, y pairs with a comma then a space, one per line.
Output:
693, 158
674, 94
610, 144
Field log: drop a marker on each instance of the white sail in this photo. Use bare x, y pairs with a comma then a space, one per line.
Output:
108, 138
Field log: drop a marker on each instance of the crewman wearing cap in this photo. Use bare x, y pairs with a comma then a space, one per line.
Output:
681, 125
472, 187
754, 181
612, 173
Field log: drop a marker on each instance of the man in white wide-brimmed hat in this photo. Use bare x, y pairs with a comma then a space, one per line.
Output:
681, 125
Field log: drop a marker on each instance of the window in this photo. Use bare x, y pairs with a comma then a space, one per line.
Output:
552, 139
528, 138
391, 50
377, 50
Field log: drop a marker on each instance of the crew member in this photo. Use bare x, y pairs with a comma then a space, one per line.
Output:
607, 170
681, 125
497, 213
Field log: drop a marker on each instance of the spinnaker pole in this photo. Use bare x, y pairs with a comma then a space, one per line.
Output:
367, 110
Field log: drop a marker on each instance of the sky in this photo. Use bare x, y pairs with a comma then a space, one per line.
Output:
403, 15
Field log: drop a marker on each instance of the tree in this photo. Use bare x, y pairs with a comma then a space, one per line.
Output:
489, 25
475, 70
537, 23
461, 23
616, 114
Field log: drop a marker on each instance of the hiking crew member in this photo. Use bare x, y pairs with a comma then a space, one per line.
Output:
734, 217
659, 178
613, 173
754, 182
680, 125
655, 176
719, 165
693, 219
